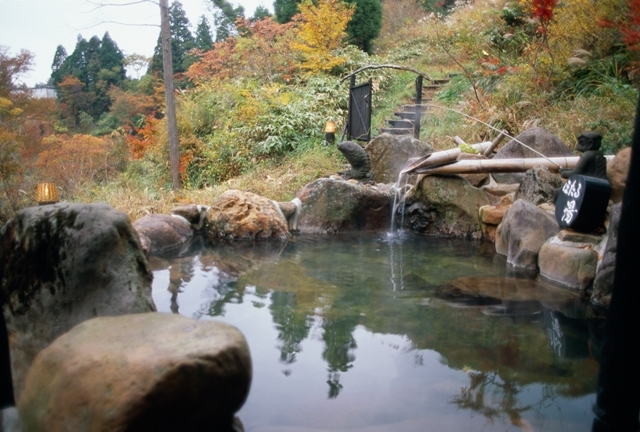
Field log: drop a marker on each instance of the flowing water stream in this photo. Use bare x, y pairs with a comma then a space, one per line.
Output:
371, 333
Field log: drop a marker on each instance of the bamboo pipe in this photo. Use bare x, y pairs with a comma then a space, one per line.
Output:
442, 157
554, 164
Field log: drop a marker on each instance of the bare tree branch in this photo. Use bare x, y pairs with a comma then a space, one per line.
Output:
387, 66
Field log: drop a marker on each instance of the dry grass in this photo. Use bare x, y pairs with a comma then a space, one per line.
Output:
278, 182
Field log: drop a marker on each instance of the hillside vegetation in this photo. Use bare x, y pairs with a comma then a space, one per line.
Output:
252, 110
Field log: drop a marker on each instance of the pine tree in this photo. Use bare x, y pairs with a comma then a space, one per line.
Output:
58, 60
111, 58
261, 12
204, 40
224, 18
365, 24
182, 41
285, 10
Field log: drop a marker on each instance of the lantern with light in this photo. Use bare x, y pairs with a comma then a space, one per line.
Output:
330, 132
47, 193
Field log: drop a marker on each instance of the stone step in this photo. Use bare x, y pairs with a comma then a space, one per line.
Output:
397, 131
440, 81
406, 115
412, 108
400, 123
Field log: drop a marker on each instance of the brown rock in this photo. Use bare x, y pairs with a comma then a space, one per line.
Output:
492, 215
243, 215
538, 186
571, 267
578, 237
476, 180
617, 171
603, 283
143, 372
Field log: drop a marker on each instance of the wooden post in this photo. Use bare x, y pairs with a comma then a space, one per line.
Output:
172, 123
418, 114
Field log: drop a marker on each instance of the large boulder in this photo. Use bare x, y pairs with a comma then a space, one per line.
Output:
389, 154
617, 171
143, 372
603, 283
566, 265
61, 265
538, 139
446, 206
522, 233
538, 185
238, 215
332, 206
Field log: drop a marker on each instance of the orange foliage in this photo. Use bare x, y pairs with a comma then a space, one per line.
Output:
262, 51
72, 161
139, 140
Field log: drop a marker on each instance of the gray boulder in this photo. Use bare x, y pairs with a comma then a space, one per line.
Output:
331, 206
522, 233
389, 154
603, 283
538, 139
446, 206
539, 185
61, 265
143, 372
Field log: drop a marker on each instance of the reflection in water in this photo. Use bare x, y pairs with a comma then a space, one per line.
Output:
518, 351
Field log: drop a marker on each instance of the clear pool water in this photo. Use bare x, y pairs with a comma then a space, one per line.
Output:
369, 333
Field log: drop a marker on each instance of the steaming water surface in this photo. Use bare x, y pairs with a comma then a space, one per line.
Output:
371, 333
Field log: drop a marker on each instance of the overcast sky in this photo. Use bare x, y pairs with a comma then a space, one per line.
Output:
41, 25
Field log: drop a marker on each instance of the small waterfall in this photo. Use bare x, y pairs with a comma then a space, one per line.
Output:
398, 199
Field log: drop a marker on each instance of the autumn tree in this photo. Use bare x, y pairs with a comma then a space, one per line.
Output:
320, 31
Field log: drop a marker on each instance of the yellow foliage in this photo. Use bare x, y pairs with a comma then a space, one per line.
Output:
321, 30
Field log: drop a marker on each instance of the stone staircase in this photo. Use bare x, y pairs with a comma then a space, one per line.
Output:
403, 124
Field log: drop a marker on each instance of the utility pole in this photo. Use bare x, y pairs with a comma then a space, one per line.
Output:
172, 123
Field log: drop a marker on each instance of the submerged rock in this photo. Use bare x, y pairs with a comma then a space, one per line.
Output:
160, 233
332, 206
522, 233
238, 215
143, 372
61, 265
571, 267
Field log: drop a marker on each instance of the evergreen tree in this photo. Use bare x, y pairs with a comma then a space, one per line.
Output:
285, 10
261, 12
182, 41
204, 40
58, 60
224, 18
365, 24
111, 58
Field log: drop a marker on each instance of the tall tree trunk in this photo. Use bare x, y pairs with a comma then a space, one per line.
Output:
167, 66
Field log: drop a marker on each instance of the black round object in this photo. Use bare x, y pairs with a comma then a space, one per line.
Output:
582, 203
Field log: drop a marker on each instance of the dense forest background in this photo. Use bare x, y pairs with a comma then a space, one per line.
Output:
254, 93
